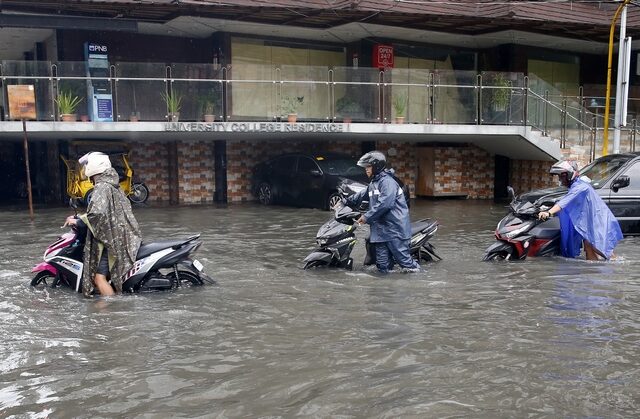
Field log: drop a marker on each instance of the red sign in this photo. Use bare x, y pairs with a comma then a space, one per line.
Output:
383, 56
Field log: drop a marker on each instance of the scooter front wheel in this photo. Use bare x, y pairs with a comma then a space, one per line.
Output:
43, 279
501, 255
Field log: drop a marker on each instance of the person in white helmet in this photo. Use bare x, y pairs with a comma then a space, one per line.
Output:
113, 235
585, 218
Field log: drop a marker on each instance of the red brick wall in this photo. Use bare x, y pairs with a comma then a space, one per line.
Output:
151, 166
526, 175
195, 172
401, 158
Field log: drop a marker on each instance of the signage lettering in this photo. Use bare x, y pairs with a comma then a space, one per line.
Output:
259, 127
97, 48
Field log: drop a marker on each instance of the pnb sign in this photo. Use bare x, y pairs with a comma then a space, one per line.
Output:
101, 49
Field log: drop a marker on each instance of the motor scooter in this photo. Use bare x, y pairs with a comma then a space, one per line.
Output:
162, 265
520, 234
336, 239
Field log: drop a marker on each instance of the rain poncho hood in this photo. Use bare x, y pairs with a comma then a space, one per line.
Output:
112, 226
586, 216
388, 214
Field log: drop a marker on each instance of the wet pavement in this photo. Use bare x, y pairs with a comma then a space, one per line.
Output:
546, 338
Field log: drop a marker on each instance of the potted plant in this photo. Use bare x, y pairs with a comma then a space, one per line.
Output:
501, 94
67, 104
174, 104
207, 105
347, 107
399, 107
290, 106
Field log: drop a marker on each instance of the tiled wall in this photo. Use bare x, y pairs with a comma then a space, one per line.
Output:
461, 169
196, 170
150, 163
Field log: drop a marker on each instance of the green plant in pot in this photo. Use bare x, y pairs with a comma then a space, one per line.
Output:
501, 93
67, 104
347, 107
207, 105
399, 107
174, 104
290, 105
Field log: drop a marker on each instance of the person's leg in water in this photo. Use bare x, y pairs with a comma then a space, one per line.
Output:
402, 254
384, 258
100, 279
591, 253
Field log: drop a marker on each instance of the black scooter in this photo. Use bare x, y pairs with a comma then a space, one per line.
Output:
520, 234
336, 239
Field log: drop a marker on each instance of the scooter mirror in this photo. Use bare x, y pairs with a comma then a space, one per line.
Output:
512, 193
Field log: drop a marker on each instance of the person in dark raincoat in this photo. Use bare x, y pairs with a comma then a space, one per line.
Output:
585, 218
113, 235
388, 214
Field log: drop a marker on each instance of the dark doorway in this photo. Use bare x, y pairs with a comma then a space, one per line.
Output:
501, 178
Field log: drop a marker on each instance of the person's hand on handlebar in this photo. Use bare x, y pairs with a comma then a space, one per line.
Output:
544, 215
361, 220
71, 220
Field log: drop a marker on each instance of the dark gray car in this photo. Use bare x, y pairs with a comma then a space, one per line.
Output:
307, 180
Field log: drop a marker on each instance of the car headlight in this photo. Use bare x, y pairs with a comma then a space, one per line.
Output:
356, 187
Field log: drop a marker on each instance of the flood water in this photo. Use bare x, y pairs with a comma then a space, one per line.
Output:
545, 338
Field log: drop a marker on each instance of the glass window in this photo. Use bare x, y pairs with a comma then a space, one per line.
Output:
306, 165
601, 170
634, 175
284, 165
341, 167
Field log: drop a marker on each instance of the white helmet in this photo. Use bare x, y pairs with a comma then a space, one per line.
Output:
95, 163
569, 167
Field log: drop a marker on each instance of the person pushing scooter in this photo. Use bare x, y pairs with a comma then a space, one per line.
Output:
388, 214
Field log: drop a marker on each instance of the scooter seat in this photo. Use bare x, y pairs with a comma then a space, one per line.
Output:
420, 225
148, 248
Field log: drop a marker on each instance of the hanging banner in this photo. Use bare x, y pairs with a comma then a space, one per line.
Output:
22, 101
382, 56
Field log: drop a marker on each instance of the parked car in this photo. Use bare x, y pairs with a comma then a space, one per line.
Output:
616, 178
307, 180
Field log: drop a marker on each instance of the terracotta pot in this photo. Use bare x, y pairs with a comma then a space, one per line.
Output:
84, 118
292, 117
346, 120
174, 117
134, 118
209, 118
69, 117
399, 119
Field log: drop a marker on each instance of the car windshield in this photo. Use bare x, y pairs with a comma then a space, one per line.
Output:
341, 167
601, 170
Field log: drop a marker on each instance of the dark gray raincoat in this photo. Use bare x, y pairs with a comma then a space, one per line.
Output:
111, 225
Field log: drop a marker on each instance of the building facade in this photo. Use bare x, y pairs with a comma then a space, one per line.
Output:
488, 95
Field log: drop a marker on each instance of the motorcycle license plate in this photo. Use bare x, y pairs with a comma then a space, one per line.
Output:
197, 265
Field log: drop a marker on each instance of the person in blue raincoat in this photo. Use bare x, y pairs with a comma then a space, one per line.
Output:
388, 214
585, 218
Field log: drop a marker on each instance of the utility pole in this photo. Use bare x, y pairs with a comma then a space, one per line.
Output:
622, 85
605, 140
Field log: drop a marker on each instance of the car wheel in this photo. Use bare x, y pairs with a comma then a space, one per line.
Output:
333, 199
265, 194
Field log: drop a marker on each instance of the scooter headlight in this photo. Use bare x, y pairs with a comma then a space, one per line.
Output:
524, 227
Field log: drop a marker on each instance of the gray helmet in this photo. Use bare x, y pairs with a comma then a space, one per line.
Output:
375, 159
565, 166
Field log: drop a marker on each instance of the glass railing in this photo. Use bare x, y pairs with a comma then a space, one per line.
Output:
206, 92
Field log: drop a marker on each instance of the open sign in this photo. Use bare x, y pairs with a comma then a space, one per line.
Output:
383, 56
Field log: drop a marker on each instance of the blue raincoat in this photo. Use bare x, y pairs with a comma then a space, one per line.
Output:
388, 214
586, 216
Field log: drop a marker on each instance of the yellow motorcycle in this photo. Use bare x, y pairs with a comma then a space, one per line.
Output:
80, 187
